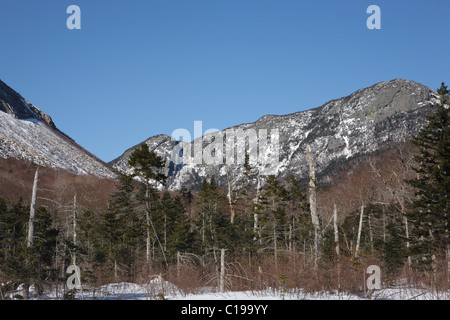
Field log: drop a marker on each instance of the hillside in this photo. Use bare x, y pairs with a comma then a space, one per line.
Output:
369, 120
29, 134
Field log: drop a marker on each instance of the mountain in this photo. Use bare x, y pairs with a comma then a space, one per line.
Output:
29, 134
367, 121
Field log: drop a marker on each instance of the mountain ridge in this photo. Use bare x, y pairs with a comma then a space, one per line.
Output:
362, 122
388, 111
28, 133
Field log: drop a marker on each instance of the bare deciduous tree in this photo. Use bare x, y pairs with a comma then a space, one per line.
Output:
313, 207
32, 209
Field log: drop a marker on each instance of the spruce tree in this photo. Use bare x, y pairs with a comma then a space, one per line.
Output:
147, 165
14, 263
297, 196
179, 238
274, 218
188, 198
19, 263
125, 225
215, 228
430, 216
109, 229
244, 194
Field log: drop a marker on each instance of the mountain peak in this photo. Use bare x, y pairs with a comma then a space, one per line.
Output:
366, 121
11, 102
29, 134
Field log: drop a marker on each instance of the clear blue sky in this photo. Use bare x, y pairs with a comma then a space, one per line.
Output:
138, 68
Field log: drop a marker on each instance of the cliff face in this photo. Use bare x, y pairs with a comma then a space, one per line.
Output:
29, 134
364, 122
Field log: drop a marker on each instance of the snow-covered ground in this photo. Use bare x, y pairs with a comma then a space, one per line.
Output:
151, 291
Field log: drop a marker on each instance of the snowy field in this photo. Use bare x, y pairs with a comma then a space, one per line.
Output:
151, 291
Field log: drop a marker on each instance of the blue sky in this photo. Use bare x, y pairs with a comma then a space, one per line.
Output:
138, 68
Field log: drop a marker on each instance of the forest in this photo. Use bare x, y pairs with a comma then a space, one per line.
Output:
391, 211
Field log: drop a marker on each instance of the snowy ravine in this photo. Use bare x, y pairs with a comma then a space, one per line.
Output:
366, 121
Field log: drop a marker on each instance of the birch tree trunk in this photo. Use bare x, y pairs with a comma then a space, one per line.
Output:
74, 258
161, 287
358, 239
370, 232
32, 209
290, 245
313, 207
336, 231
336, 241
222, 271
178, 264
230, 202
405, 219
256, 202
275, 249
30, 238
147, 222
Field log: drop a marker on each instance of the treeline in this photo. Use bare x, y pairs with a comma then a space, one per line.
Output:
291, 233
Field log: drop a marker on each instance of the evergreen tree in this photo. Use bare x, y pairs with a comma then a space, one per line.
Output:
179, 238
244, 194
296, 197
109, 229
18, 262
394, 250
274, 218
147, 165
430, 216
13, 228
188, 199
241, 233
43, 250
215, 228
132, 222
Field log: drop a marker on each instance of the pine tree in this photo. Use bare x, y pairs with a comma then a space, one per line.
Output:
148, 165
19, 262
15, 256
179, 238
215, 230
430, 217
245, 208
43, 250
296, 195
394, 250
126, 223
188, 199
274, 219
110, 230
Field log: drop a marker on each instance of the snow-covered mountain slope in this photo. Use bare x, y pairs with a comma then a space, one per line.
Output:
28, 133
364, 122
